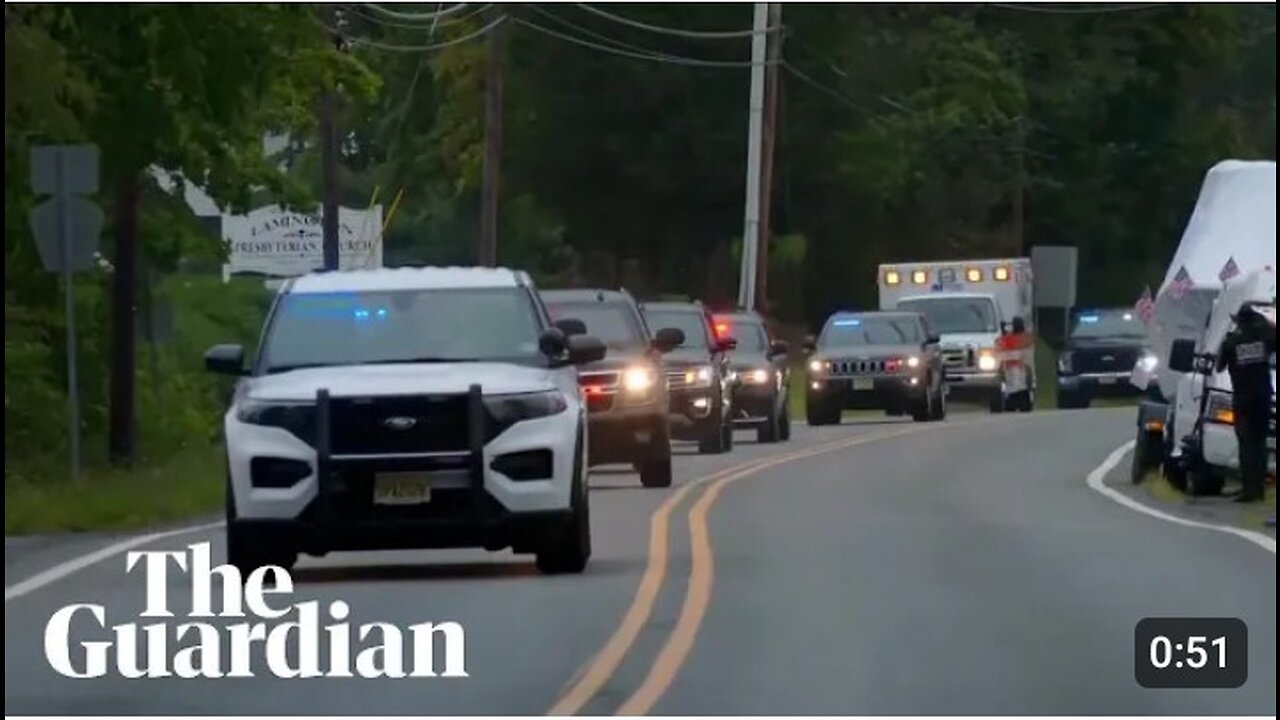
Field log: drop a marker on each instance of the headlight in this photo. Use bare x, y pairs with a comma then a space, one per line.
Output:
298, 418
913, 361
507, 410
987, 361
1148, 362
639, 380
699, 376
1220, 409
758, 376
817, 366
1064, 363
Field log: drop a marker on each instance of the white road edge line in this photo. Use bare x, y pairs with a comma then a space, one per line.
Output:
1098, 474
63, 569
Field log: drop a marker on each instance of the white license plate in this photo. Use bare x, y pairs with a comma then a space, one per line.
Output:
864, 384
401, 488
1106, 380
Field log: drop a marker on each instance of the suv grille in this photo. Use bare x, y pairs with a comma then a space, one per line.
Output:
1103, 360
858, 367
957, 358
675, 380
427, 423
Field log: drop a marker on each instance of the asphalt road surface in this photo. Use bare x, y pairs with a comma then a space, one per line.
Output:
884, 567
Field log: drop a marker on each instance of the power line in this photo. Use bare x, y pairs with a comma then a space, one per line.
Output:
429, 48
601, 36
836, 69
397, 15
1079, 11
678, 32
421, 25
664, 58
836, 94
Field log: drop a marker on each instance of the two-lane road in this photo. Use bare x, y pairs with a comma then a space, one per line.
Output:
889, 567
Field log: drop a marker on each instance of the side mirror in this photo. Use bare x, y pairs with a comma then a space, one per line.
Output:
553, 343
810, 343
1182, 355
933, 339
778, 347
225, 359
668, 339
571, 326
585, 349
726, 344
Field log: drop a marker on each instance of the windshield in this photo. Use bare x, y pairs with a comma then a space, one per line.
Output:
1119, 324
750, 336
318, 329
695, 329
955, 314
870, 330
614, 323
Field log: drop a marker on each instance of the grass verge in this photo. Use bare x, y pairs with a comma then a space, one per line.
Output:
186, 483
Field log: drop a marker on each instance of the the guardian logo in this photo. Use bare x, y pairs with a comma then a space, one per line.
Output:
79, 642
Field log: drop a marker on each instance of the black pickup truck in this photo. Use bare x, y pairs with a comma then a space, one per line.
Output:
1102, 349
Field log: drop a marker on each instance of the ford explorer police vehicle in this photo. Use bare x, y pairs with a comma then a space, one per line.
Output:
407, 408
968, 303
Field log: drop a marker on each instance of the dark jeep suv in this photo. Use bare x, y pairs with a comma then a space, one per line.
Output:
761, 377
875, 360
626, 392
698, 376
1101, 351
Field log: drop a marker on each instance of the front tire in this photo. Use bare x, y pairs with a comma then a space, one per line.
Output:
771, 430
655, 473
1147, 449
717, 438
997, 402
821, 412
940, 404
248, 550
571, 550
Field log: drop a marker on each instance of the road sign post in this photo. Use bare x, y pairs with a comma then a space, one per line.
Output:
66, 228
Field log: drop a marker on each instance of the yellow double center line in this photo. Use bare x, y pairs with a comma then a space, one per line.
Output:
698, 595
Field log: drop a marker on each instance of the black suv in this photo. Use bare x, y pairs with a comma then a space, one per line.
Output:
761, 377
698, 376
1102, 349
875, 360
626, 392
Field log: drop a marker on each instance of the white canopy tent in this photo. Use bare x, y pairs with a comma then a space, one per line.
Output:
1232, 231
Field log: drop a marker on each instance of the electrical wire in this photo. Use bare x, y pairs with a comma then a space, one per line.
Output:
600, 36
831, 65
1078, 11
397, 15
435, 22
664, 58
678, 32
428, 48
833, 93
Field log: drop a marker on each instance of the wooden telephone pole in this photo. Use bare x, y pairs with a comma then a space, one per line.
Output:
487, 241
773, 57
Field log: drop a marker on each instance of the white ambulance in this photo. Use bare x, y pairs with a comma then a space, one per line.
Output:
967, 303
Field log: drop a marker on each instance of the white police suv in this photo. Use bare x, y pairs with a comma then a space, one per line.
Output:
407, 408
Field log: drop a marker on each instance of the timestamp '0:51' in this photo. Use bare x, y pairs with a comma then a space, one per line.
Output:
1163, 651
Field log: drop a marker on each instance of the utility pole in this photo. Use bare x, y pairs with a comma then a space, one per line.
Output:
773, 56
487, 241
329, 163
755, 120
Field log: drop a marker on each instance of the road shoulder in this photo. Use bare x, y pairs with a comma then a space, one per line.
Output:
1157, 494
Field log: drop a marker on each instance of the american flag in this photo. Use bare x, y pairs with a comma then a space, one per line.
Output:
1181, 283
1229, 270
1146, 306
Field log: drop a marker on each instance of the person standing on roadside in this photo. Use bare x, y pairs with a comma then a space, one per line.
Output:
1246, 354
